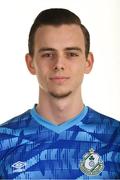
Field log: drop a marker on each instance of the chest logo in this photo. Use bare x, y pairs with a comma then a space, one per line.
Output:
19, 166
92, 164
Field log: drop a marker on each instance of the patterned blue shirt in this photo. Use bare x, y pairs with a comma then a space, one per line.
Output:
85, 147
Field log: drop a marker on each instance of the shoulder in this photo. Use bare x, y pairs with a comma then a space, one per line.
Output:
11, 130
101, 125
15, 121
100, 118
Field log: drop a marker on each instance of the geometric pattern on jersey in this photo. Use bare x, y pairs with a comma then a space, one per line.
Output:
31, 147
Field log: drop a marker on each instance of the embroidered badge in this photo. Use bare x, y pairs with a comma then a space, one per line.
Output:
92, 164
19, 166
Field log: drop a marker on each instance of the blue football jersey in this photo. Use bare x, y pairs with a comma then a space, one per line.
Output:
85, 147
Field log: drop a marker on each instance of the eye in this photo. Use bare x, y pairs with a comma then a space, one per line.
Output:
47, 55
72, 54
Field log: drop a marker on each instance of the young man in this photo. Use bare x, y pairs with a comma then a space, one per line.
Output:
60, 138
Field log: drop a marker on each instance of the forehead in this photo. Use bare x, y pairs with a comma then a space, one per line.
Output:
59, 36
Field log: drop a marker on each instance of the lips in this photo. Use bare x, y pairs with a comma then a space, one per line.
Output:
59, 77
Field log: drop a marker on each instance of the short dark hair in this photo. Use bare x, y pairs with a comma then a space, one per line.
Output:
57, 17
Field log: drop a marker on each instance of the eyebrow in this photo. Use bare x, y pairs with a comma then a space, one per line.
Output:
53, 49
73, 48
46, 49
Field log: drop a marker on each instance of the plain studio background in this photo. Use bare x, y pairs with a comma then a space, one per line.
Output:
19, 89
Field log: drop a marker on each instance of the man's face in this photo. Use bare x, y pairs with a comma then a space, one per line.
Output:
59, 59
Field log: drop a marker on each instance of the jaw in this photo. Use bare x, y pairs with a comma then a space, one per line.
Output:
60, 96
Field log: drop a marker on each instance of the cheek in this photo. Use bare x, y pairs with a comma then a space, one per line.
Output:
42, 74
40, 68
78, 75
78, 69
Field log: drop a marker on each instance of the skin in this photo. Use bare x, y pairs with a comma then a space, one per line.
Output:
59, 62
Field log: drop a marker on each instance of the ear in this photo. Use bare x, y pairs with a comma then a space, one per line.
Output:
30, 63
89, 63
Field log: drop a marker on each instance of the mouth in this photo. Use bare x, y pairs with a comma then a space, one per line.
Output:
59, 79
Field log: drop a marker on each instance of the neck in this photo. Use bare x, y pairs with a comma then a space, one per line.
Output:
59, 110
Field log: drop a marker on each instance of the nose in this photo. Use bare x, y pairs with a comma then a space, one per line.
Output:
59, 64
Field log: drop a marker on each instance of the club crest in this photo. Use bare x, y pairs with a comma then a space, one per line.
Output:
92, 164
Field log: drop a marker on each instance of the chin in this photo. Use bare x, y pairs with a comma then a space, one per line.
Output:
60, 96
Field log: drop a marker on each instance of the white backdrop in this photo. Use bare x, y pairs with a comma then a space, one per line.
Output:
19, 89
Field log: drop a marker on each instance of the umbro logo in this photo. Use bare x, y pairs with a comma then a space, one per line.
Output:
19, 166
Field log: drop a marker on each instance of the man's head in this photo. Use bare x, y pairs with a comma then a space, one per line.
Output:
59, 52
57, 17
